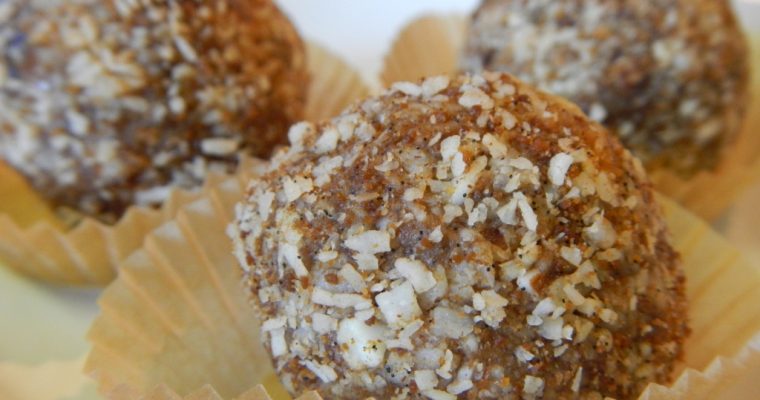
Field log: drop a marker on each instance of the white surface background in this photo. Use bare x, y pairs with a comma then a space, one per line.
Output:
55, 320
361, 31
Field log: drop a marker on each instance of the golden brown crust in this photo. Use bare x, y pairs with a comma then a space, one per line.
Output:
670, 77
106, 104
472, 238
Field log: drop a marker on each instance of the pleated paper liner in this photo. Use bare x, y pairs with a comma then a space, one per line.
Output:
725, 378
431, 45
34, 242
743, 223
177, 314
207, 392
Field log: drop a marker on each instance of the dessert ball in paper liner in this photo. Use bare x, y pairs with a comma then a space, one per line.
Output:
35, 241
469, 237
106, 104
432, 45
161, 300
669, 77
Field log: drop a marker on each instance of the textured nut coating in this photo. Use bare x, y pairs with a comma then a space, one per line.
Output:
109, 103
468, 238
669, 77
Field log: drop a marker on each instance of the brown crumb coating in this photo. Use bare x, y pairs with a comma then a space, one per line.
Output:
109, 103
669, 77
470, 238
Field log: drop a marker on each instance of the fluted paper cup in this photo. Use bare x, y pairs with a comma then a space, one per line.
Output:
177, 316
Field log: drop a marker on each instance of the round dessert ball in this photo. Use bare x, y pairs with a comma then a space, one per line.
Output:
468, 238
668, 77
109, 103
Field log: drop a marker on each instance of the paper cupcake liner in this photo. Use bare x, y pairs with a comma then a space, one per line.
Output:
35, 243
334, 84
725, 378
743, 222
178, 316
431, 45
207, 392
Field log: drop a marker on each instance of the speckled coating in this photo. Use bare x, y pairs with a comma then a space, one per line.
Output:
468, 238
109, 103
669, 77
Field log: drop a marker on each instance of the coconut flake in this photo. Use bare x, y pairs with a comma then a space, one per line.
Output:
399, 305
464, 184
600, 233
507, 213
324, 169
529, 216
521, 163
597, 112
445, 369
324, 372
436, 235
325, 256
425, 379
413, 194
491, 306
277, 342
573, 295
435, 394
473, 96
450, 323
408, 88
450, 212
265, 204
341, 300
361, 345
434, 84
328, 141
608, 315
417, 273
462, 383
354, 278
507, 119
291, 255
551, 328
567, 332
366, 262
496, 148
219, 146
369, 242
449, 147
523, 355
576, 386
544, 307
323, 323
533, 385
295, 187
298, 133
525, 281
477, 214
571, 254
558, 166
273, 323
458, 166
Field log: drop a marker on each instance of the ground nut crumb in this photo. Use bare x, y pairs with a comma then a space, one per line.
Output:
110, 103
501, 279
670, 77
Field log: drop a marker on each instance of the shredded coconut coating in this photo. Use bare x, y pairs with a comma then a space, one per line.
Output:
669, 77
109, 103
495, 278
